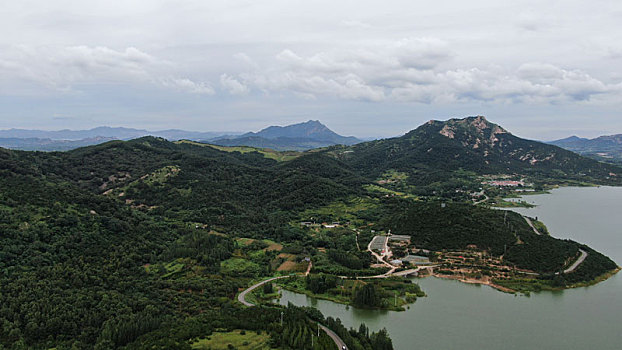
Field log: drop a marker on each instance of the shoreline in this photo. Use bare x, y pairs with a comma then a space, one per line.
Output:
474, 281
337, 301
605, 276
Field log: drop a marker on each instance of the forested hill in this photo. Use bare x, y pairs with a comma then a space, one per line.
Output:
434, 150
248, 193
105, 244
145, 243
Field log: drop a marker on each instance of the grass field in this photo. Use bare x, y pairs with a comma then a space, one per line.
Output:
221, 341
266, 152
341, 210
240, 267
271, 245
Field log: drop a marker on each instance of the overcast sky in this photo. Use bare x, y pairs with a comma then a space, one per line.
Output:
541, 69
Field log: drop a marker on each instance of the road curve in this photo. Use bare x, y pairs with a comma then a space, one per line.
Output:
242, 296
578, 262
340, 344
242, 299
532, 226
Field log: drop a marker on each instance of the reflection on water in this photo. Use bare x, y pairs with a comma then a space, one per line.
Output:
457, 315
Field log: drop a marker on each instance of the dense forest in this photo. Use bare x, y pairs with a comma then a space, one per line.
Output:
145, 243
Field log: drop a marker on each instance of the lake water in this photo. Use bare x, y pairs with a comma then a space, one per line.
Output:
455, 315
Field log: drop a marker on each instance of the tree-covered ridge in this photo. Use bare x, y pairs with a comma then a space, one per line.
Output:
454, 226
434, 150
239, 192
124, 243
87, 271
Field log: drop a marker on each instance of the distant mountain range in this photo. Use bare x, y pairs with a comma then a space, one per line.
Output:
108, 132
604, 148
296, 137
46, 144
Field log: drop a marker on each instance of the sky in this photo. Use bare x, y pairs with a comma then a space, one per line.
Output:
541, 69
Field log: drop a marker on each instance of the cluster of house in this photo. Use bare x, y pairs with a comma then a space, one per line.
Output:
404, 241
323, 225
506, 183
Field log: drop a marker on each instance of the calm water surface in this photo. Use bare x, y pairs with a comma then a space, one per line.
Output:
455, 315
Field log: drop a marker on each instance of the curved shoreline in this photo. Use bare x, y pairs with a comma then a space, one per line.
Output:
337, 301
605, 276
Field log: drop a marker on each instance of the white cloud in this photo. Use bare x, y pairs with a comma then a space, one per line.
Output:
412, 70
421, 53
451, 55
67, 68
187, 85
355, 24
234, 86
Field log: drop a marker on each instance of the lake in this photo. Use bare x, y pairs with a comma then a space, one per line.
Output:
455, 315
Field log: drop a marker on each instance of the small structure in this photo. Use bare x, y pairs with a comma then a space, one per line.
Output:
400, 239
506, 183
416, 259
378, 243
396, 262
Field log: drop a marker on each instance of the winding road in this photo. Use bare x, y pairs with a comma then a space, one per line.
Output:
578, 262
340, 344
532, 226
242, 299
242, 296
380, 258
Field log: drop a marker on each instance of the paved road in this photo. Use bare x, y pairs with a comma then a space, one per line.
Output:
532, 226
340, 344
578, 262
481, 193
570, 269
242, 296
380, 258
242, 299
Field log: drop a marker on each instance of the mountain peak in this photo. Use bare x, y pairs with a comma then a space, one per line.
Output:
474, 130
313, 129
301, 136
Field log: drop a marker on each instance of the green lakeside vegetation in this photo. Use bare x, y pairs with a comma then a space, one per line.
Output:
377, 293
146, 243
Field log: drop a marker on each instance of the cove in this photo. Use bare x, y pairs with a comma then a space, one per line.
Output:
456, 315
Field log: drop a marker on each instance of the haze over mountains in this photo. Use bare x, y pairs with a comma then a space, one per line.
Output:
106, 131
605, 148
298, 137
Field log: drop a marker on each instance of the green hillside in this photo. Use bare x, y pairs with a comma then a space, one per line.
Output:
145, 243
436, 149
